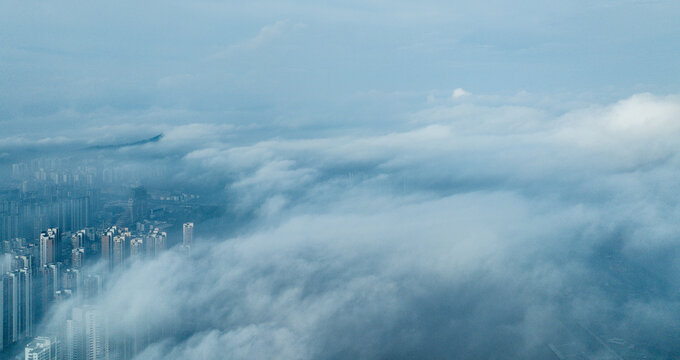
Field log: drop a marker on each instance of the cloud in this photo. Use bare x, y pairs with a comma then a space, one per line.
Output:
458, 93
267, 35
475, 231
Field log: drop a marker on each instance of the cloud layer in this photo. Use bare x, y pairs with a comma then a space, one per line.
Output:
472, 230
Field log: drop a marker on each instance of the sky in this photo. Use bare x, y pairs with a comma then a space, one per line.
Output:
306, 64
412, 179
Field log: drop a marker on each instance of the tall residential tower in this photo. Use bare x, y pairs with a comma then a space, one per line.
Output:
188, 234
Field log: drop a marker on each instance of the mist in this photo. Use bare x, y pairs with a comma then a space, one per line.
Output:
367, 181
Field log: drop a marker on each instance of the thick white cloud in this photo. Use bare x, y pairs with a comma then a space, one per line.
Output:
474, 231
459, 92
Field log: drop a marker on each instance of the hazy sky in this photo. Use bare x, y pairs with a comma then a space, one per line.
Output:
421, 179
306, 63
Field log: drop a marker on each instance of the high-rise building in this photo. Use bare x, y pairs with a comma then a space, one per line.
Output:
23, 261
62, 295
187, 234
10, 217
77, 256
11, 306
5, 263
42, 348
78, 239
160, 240
46, 249
150, 246
16, 302
26, 313
79, 212
136, 247
138, 204
92, 287
96, 335
51, 283
74, 337
71, 280
86, 335
49, 243
115, 246
155, 242
107, 246
119, 250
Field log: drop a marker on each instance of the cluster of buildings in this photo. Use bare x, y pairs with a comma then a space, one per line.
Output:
118, 245
36, 275
79, 172
60, 219
26, 214
67, 194
42, 348
84, 336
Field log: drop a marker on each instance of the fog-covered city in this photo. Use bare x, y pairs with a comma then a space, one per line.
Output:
327, 180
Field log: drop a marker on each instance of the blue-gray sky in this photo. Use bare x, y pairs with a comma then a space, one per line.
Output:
301, 63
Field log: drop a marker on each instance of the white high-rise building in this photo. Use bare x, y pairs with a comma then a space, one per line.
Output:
42, 348
73, 340
74, 336
119, 247
78, 239
16, 302
25, 302
136, 247
187, 234
96, 335
86, 336
160, 239
11, 284
77, 255
155, 242
49, 241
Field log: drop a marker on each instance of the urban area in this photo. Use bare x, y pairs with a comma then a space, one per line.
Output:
65, 227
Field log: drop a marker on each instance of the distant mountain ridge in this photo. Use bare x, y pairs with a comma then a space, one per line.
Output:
134, 143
